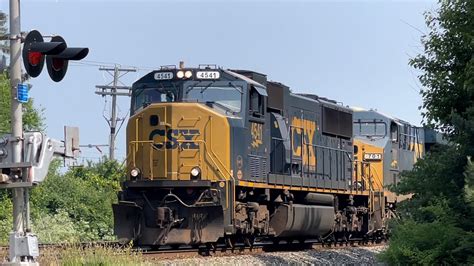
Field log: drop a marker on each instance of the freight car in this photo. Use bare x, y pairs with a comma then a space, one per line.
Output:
218, 155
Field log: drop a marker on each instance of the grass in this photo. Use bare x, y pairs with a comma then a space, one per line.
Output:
70, 254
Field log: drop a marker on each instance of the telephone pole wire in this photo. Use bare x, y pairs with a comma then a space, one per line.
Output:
114, 90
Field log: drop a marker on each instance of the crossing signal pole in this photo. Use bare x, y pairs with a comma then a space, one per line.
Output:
114, 90
16, 117
25, 156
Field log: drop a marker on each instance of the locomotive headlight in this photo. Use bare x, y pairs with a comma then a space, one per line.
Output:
195, 172
135, 172
180, 74
188, 74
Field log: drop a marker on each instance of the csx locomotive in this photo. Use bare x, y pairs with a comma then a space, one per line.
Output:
218, 155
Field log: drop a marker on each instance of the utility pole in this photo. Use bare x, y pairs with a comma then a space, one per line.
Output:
16, 114
114, 90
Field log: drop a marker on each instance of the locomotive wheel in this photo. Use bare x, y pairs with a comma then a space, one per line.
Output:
230, 242
211, 247
249, 240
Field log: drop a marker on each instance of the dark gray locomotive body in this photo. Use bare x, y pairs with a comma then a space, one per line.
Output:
225, 155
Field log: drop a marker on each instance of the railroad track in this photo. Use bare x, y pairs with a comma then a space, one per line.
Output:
168, 253
258, 248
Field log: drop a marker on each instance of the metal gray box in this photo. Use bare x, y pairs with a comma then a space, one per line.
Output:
23, 246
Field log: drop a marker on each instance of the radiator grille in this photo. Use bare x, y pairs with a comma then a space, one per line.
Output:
258, 166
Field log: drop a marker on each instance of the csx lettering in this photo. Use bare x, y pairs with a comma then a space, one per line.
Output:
172, 136
256, 131
308, 127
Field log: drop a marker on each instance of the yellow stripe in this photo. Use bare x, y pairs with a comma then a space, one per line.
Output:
321, 190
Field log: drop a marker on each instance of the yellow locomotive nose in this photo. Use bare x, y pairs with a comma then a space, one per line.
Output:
179, 141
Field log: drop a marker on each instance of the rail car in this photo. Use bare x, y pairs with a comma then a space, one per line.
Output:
225, 155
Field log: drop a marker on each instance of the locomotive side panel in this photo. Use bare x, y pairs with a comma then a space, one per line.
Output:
305, 152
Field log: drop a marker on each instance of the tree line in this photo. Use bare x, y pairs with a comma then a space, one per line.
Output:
438, 221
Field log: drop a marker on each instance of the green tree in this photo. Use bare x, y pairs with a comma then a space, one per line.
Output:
33, 119
81, 198
3, 29
469, 188
438, 221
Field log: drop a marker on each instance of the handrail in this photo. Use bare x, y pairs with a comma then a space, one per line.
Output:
371, 167
372, 191
228, 172
220, 171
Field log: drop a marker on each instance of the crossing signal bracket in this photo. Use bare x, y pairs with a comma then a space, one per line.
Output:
38, 152
56, 53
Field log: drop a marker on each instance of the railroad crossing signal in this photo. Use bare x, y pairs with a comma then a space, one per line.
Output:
56, 52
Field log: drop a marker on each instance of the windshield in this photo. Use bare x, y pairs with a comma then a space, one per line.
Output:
154, 95
228, 97
370, 129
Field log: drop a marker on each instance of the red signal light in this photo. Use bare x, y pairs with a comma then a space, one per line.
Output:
57, 64
35, 58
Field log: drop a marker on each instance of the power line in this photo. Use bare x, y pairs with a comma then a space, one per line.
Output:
96, 146
105, 64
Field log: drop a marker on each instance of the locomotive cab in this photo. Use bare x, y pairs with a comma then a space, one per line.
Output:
224, 96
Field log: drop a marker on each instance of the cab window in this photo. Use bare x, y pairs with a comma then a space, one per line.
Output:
147, 96
370, 128
394, 132
256, 103
227, 97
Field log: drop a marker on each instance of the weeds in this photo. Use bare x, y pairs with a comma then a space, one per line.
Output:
90, 255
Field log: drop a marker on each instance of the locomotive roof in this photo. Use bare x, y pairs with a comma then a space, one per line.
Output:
243, 75
246, 79
324, 101
361, 113
150, 77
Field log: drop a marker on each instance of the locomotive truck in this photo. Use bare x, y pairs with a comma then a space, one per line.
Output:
216, 155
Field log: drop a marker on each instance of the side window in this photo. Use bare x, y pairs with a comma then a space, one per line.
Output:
394, 132
356, 128
381, 129
407, 139
404, 137
256, 104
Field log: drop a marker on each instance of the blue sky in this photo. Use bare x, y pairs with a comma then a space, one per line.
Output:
355, 52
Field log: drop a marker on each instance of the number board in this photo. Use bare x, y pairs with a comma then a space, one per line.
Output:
373, 156
208, 75
163, 75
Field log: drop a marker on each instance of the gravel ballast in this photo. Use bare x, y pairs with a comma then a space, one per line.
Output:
354, 256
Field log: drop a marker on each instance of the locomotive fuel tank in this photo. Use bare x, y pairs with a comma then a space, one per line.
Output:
313, 219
